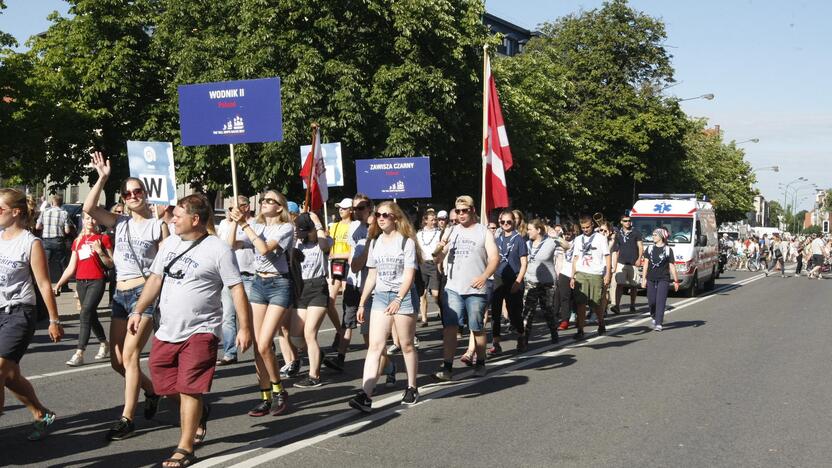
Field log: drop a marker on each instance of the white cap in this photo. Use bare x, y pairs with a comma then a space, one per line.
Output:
345, 203
442, 214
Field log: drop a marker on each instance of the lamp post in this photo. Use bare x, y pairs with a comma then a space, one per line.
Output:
786, 189
750, 140
795, 193
707, 97
767, 168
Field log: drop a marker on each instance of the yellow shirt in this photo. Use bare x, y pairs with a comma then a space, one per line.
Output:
340, 232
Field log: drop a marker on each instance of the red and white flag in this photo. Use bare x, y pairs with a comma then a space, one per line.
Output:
314, 175
496, 152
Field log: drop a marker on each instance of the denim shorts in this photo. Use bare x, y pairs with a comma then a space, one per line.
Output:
275, 290
125, 301
382, 299
461, 307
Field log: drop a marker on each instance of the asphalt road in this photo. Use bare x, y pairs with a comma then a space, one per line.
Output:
737, 378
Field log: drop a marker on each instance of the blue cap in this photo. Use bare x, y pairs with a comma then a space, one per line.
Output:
293, 207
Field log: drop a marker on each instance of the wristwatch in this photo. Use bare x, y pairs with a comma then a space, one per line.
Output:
55, 322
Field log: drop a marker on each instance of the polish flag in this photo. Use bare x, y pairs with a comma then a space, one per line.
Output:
496, 152
314, 175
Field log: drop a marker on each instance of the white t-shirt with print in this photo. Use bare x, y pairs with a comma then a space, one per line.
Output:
590, 252
390, 261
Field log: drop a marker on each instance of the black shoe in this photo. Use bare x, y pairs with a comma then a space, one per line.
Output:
121, 430
602, 330
308, 382
361, 402
280, 403
151, 405
263, 408
632, 309
578, 336
615, 310
424, 325
334, 363
522, 343
554, 336
411, 396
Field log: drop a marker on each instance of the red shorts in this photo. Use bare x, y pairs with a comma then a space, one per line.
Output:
186, 367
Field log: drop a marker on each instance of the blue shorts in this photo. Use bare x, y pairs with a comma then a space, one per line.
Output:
275, 290
461, 307
125, 301
382, 299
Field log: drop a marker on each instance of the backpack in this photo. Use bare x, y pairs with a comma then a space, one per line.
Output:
294, 258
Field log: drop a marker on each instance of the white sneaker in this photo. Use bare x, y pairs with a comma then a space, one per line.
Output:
103, 352
416, 342
392, 349
657, 328
76, 360
653, 322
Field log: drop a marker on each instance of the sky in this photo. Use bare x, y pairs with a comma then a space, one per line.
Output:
767, 62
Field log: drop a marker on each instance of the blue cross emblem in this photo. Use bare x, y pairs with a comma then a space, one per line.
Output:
661, 207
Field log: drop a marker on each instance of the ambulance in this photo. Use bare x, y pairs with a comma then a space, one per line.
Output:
693, 235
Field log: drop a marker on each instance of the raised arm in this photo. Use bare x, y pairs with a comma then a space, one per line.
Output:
91, 207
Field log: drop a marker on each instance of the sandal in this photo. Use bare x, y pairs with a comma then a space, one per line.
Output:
188, 459
203, 424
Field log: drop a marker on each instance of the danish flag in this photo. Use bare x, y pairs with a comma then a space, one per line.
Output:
496, 151
314, 174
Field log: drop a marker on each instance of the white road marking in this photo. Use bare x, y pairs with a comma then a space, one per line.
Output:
427, 393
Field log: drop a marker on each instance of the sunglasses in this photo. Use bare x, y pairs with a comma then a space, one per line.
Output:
462, 210
135, 193
344, 208
385, 215
626, 221
506, 222
359, 207
270, 201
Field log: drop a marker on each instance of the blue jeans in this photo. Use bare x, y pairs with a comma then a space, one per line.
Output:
408, 306
461, 307
275, 290
125, 301
229, 319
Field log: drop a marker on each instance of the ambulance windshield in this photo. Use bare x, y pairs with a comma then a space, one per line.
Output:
680, 229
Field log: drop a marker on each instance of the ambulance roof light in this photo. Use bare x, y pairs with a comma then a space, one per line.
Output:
667, 196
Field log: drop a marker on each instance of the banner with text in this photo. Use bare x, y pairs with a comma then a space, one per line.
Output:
332, 160
393, 177
222, 113
152, 162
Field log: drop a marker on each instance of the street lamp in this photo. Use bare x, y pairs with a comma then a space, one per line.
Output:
750, 140
767, 168
786, 190
708, 97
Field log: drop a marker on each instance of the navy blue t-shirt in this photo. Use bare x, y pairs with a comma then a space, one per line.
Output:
510, 248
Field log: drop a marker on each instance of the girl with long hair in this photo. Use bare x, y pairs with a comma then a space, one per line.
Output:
392, 261
92, 256
22, 268
271, 293
137, 239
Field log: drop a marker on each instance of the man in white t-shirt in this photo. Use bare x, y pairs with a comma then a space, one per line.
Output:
818, 255
193, 267
591, 273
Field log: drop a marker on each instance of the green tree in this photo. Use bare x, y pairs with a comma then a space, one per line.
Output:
624, 134
775, 213
97, 65
720, 172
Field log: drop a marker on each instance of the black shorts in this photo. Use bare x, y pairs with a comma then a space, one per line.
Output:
352, 296
817, 260
430, 276
315, 293
16, 331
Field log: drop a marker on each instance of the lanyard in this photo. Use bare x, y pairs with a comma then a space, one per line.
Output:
428, 243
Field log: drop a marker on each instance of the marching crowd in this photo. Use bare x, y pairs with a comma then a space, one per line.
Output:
810, 252
205, 296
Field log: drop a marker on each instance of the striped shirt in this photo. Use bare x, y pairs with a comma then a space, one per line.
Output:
54, 221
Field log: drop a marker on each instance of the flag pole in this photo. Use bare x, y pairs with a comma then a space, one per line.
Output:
483, 210
234, 175
308, 200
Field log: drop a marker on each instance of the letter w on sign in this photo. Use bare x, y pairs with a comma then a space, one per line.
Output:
157, 188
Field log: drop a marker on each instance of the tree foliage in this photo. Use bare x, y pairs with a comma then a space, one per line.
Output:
584, 104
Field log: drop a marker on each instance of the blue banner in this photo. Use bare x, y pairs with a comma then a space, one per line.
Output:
245, 111
152, 162
393, 178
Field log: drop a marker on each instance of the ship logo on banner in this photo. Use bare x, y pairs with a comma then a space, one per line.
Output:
397, 187
232, 127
